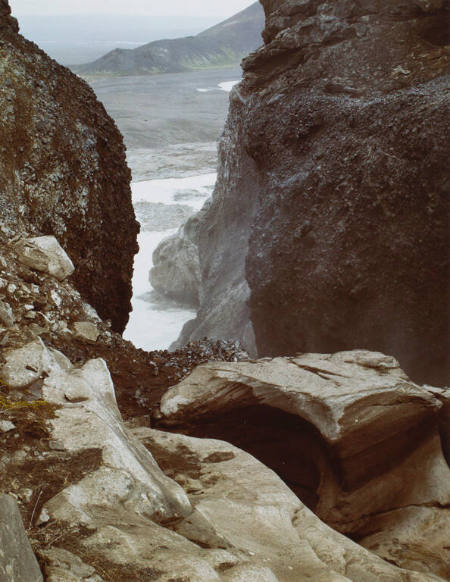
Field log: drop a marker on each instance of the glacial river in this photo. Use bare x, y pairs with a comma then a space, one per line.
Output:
171, 124
156, 322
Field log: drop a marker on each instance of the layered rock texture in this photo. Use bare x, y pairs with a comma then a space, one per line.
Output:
351, 435
86, 495
329, 223
221, 45
97, 506
63, 171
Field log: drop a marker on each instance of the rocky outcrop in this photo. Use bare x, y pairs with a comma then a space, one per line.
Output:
17, 560
222, 45
100, 508
63, 172
350, 434
104, 500
86, 418
7, 22
176, 267
328, 229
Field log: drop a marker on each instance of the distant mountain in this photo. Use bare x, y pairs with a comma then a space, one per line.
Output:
221, 45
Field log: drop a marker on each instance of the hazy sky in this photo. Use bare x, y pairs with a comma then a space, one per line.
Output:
205, 8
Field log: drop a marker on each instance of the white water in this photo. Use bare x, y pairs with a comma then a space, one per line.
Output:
156, 322
225, 86
193, 189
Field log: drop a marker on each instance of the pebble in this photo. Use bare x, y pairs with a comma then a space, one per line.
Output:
6, 426
6, 314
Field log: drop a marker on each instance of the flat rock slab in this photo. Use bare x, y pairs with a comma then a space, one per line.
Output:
17, 560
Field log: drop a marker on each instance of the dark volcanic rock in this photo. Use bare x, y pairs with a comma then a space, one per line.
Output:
334, 185
6, 20
221, 45
63, 171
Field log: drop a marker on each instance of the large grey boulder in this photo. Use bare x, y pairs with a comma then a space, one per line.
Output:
88, 418
351, 435
176, 267
176, 270
17, 560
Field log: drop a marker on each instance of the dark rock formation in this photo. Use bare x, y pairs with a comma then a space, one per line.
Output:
221, 45
332, 199
6, 20
63, 171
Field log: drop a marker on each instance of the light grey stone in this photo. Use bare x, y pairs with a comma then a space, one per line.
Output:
86, 331
17, 560
6, 314
363, 409
26, 365
6, 426
61, 565
44, 253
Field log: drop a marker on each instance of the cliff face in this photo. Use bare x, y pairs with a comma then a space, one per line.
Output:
221, 45
63, 171
7, 22
331, 196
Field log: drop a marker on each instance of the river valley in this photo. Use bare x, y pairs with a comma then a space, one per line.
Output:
171, 124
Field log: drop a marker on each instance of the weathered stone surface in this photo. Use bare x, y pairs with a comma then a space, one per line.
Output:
176, 267
63, 565
214, 512
268, 534
86, 331
352, 436
63, 172
44, 253
415, 538
6, 20
6, 314
88, 419
27, 364
17, 561
331, 201
6, 426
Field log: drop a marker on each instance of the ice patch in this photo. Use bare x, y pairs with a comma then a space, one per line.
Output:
228, 85
224, 86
